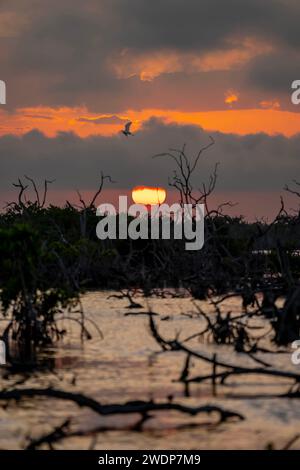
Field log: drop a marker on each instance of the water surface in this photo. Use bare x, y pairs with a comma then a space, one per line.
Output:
125, 365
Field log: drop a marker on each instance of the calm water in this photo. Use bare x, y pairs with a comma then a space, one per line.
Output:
125, 366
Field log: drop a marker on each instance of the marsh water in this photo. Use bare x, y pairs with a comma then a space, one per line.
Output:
126, 365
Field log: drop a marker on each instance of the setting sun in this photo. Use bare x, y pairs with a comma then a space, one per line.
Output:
148, 195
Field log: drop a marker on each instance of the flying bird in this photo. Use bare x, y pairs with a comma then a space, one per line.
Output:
126, 130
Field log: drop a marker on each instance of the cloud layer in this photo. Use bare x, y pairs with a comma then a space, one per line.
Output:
119, 54
257, 162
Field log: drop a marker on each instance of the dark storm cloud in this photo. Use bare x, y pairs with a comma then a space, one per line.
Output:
275, 72
251, 162
199, 25
63, 47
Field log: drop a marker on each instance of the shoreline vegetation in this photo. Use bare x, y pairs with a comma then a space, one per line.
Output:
49, 256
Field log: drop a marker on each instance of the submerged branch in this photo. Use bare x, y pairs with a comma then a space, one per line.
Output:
138, 406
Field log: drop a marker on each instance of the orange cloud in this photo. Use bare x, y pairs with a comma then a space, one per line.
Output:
236, 121
231, 97
148, 66
238, 53
50, 121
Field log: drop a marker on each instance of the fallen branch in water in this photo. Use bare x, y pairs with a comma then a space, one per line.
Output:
243, 370
138, 406
232, 369
63, 431
59, 432
135, 314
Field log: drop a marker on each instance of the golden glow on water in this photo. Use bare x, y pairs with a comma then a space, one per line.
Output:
148, 195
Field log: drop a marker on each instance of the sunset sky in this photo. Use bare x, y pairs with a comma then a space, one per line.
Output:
77, 71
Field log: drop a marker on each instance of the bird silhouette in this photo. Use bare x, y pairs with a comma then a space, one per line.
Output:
126, 130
